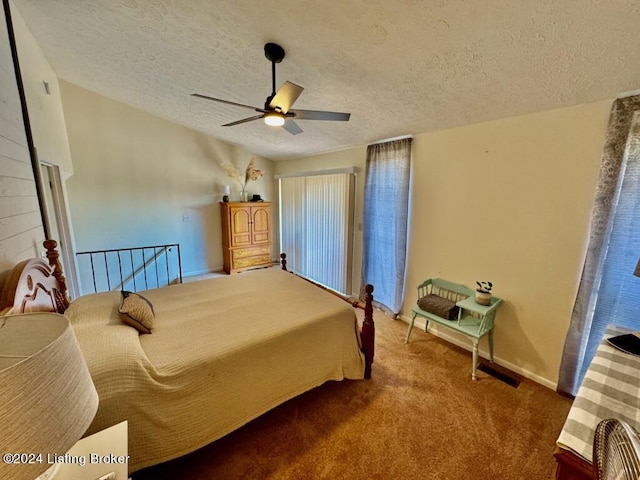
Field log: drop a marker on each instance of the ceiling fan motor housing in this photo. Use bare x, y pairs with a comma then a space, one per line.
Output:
273, 52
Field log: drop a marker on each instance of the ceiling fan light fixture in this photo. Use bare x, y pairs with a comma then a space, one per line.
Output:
274, 119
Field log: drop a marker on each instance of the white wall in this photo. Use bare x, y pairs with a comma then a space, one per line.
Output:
141, 180
21, 230
20, 221
45, 109
507, 201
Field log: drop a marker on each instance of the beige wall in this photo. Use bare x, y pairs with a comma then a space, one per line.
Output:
507, 201
141, 180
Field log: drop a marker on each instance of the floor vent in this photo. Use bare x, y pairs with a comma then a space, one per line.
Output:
500, 373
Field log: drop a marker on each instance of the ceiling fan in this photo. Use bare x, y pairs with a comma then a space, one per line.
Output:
277, 108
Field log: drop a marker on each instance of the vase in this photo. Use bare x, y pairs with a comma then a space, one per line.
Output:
244, 195
483, 298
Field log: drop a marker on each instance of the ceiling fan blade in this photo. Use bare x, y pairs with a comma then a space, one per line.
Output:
228, 102
244, 120
292, 127
286, 95
319, 115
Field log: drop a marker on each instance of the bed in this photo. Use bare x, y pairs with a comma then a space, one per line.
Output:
222, 352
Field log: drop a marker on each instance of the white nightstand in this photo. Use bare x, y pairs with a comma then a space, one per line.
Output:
101, 456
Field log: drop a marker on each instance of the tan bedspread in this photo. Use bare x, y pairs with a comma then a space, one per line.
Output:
223, 351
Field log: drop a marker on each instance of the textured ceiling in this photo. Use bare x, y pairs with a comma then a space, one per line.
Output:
399, 66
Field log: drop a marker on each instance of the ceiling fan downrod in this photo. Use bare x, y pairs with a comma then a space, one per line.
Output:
275, 54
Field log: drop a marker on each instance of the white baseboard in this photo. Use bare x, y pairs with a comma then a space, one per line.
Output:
442, 333
203, 271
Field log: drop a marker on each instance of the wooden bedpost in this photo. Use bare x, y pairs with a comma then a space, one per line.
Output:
283, 261
54, 261
368, 330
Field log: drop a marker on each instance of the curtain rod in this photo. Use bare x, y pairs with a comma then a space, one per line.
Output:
329, 171
393, 139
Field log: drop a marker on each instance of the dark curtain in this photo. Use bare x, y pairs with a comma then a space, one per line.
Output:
386, 209
607, 290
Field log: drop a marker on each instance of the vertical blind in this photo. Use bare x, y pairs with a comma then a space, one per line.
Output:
316, 227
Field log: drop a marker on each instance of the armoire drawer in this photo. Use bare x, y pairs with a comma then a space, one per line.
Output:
251, 252
251, 261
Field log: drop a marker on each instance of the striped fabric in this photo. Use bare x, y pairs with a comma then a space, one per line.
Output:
610, 389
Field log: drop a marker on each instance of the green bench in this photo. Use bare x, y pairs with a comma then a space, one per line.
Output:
474, 320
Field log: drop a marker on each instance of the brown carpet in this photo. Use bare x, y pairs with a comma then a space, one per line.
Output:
419, 417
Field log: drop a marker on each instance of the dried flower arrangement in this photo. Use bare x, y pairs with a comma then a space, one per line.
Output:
251, 173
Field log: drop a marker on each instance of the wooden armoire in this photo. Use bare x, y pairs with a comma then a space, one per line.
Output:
246, 235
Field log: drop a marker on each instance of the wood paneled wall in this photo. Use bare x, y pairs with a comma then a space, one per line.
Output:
21, 230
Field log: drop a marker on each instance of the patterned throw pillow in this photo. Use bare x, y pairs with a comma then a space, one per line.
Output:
136, 311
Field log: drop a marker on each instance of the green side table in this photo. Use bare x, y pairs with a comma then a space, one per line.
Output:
478, 325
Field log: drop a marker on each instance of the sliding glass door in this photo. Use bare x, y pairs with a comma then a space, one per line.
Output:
316, 227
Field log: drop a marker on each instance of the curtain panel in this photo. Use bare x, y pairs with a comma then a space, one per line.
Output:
385, 225
600, 298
